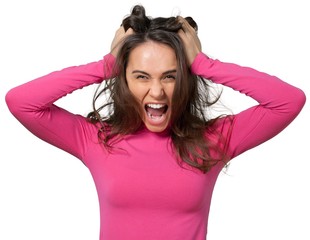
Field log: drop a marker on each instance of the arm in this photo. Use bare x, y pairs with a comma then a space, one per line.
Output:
33, 104
278, 102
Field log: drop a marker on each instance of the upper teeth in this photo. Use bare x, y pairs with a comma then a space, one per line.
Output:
155, 106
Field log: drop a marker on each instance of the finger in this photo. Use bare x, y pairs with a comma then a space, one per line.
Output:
187, 28
182, 35
129, 31
181, 19
181, 32
120, 30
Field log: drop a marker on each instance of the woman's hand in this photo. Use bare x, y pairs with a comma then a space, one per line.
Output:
119, 36
190, 40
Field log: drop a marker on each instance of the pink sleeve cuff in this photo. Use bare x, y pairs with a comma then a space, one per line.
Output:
199, 59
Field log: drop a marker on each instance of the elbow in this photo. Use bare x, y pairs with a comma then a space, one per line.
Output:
298, 101
300, 98
11, 99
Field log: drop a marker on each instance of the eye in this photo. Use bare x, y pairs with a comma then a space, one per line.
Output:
169, 78
142, 77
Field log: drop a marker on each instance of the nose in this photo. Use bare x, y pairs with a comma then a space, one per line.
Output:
156, 89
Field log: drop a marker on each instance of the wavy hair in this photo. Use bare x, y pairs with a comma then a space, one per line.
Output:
189, 119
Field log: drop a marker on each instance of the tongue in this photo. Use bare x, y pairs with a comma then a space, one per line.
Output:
155, 112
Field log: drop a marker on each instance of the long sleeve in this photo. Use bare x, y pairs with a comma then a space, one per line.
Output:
33, 104
278, 102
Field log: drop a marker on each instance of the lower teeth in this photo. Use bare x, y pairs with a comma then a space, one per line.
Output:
154, 117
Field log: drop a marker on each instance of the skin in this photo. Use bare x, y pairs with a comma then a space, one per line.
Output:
187, 34
150, 75
190, 40
151, 72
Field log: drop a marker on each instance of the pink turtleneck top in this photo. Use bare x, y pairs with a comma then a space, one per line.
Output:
143, 192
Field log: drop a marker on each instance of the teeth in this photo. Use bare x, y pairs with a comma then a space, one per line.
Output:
154, 117
155, 105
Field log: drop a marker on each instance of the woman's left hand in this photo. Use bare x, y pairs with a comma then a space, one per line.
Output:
190, 40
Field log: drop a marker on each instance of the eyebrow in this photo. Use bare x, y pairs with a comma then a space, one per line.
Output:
145, 73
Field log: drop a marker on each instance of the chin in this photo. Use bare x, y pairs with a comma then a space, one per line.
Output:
156, 129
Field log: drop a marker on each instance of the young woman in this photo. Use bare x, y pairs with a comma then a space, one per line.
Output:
153, 151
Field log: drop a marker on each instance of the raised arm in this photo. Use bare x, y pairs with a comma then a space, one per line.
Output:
32, 104
278, 102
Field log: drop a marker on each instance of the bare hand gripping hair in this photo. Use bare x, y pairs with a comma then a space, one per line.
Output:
143, 194
191, 97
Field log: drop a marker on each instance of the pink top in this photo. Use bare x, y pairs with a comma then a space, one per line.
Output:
143, 192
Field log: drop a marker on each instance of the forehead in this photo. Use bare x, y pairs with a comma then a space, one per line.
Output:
152, 56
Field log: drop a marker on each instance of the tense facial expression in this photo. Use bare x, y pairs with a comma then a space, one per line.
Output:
151, 74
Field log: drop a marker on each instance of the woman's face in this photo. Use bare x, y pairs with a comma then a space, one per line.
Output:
150, 75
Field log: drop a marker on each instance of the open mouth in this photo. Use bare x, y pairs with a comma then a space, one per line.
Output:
156, 111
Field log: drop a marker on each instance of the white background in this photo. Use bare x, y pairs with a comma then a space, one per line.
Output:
48, 194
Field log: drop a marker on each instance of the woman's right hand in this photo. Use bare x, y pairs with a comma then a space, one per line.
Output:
119, 36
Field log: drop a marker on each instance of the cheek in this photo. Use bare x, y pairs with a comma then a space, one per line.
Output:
137, 91
169, 92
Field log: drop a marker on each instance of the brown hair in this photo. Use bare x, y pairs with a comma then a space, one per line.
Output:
191, 97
